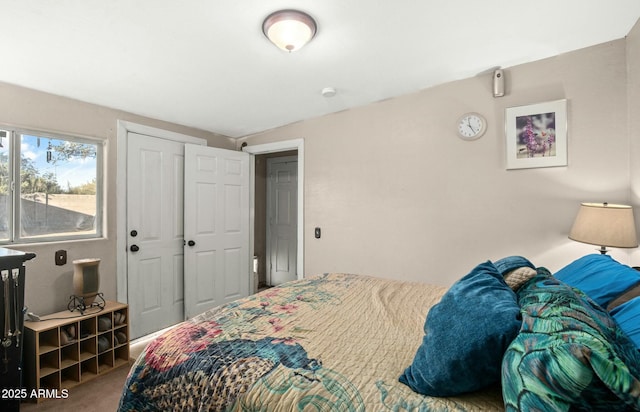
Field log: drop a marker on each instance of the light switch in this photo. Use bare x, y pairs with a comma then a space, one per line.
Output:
318, 233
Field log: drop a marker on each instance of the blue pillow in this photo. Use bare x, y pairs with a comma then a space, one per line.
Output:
466, 334
600, 277
627, 316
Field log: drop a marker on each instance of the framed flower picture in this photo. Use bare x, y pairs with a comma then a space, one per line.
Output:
536, 135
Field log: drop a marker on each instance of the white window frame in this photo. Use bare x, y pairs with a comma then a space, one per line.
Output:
14, 225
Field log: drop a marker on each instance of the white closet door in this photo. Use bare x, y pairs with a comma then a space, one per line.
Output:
216, 222
155, 179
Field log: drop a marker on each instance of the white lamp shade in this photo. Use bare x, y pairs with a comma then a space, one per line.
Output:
605, 224
289, 29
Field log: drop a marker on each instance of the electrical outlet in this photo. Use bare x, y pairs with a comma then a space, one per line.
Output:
61, 257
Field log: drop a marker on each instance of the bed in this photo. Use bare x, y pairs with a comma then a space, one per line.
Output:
343, 342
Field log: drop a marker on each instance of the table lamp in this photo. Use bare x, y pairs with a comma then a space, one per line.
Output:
604, 224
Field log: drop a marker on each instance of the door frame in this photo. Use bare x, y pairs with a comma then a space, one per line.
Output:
282, 146
123, 128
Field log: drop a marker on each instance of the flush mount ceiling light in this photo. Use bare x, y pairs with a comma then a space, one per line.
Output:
289, 29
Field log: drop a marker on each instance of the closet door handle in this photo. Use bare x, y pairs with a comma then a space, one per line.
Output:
134, 248
191, 243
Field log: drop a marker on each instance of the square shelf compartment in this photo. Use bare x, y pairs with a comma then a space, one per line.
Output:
49, 340
89, 369
88, 348
121, 355
49, 363
69, 355
105, 361
105, 323
105, 342
69, 334
88, 328
70, 376
51, 381
119, 318
120, 336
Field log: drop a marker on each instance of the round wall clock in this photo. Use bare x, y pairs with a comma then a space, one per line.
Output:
471, 126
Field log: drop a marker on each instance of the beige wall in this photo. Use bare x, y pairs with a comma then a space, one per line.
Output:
633, 70
48, 286
398, 195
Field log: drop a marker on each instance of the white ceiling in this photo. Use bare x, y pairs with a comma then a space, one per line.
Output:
206, 63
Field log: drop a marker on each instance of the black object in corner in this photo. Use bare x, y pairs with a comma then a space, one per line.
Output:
12, 276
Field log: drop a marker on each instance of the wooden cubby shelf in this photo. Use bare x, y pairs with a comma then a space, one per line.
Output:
67, 348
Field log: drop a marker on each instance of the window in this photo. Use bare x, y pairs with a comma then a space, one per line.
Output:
50, 187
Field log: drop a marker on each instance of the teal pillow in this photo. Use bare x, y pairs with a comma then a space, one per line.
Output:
569, 355
599, 276
627, 316
506, 265
466, 334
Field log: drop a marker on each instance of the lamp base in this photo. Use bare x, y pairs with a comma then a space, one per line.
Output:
78, 302
603, 250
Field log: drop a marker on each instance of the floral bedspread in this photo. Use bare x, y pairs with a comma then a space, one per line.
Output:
335, 342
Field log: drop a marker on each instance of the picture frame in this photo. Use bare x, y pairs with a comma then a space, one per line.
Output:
536, 135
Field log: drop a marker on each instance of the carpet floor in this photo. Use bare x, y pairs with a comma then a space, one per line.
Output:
100, 394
